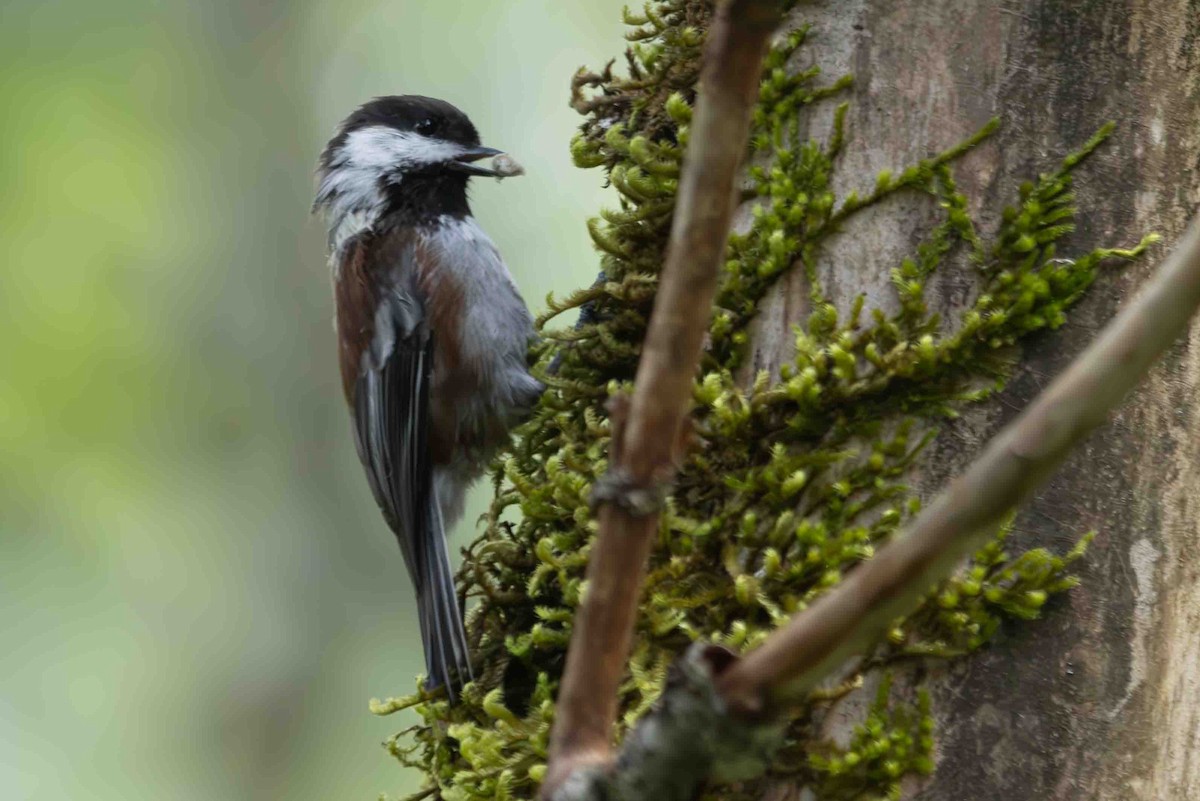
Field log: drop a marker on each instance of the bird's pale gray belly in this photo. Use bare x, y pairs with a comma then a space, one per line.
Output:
489, 388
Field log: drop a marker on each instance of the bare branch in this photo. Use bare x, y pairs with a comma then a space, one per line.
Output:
645, 443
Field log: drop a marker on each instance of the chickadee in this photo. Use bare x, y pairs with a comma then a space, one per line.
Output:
432, 334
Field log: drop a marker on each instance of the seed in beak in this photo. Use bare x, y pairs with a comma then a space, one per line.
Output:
505, 166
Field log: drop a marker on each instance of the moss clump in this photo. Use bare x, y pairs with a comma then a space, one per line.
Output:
895, 740
802, 474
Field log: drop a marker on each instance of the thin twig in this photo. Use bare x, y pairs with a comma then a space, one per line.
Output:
1016, 462
645, 443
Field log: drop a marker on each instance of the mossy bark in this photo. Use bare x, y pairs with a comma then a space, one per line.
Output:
1102, 699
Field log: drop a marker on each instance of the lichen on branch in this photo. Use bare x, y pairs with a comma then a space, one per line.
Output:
801, 475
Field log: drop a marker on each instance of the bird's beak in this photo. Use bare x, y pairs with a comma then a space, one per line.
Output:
465, 161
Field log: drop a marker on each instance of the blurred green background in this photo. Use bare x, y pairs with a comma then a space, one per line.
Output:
197, 596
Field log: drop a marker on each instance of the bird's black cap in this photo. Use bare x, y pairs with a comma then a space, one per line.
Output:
427, 116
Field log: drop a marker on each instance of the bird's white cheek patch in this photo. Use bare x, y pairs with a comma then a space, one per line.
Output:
383, 148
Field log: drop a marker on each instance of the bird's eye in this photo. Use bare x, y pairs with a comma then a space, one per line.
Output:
426, 126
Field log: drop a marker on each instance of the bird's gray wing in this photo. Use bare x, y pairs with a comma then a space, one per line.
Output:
391, 420
390, 404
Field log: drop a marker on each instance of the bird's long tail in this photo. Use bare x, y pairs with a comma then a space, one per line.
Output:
447, 660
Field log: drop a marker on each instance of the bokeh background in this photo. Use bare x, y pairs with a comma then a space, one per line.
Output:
197, 596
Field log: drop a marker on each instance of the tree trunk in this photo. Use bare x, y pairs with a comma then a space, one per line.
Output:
1101, 699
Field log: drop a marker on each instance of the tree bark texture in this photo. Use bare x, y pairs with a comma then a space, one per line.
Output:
1101, 698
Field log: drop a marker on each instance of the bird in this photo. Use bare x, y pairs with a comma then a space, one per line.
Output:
432, 335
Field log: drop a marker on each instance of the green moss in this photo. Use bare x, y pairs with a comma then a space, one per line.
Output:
802, 474
895, 740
